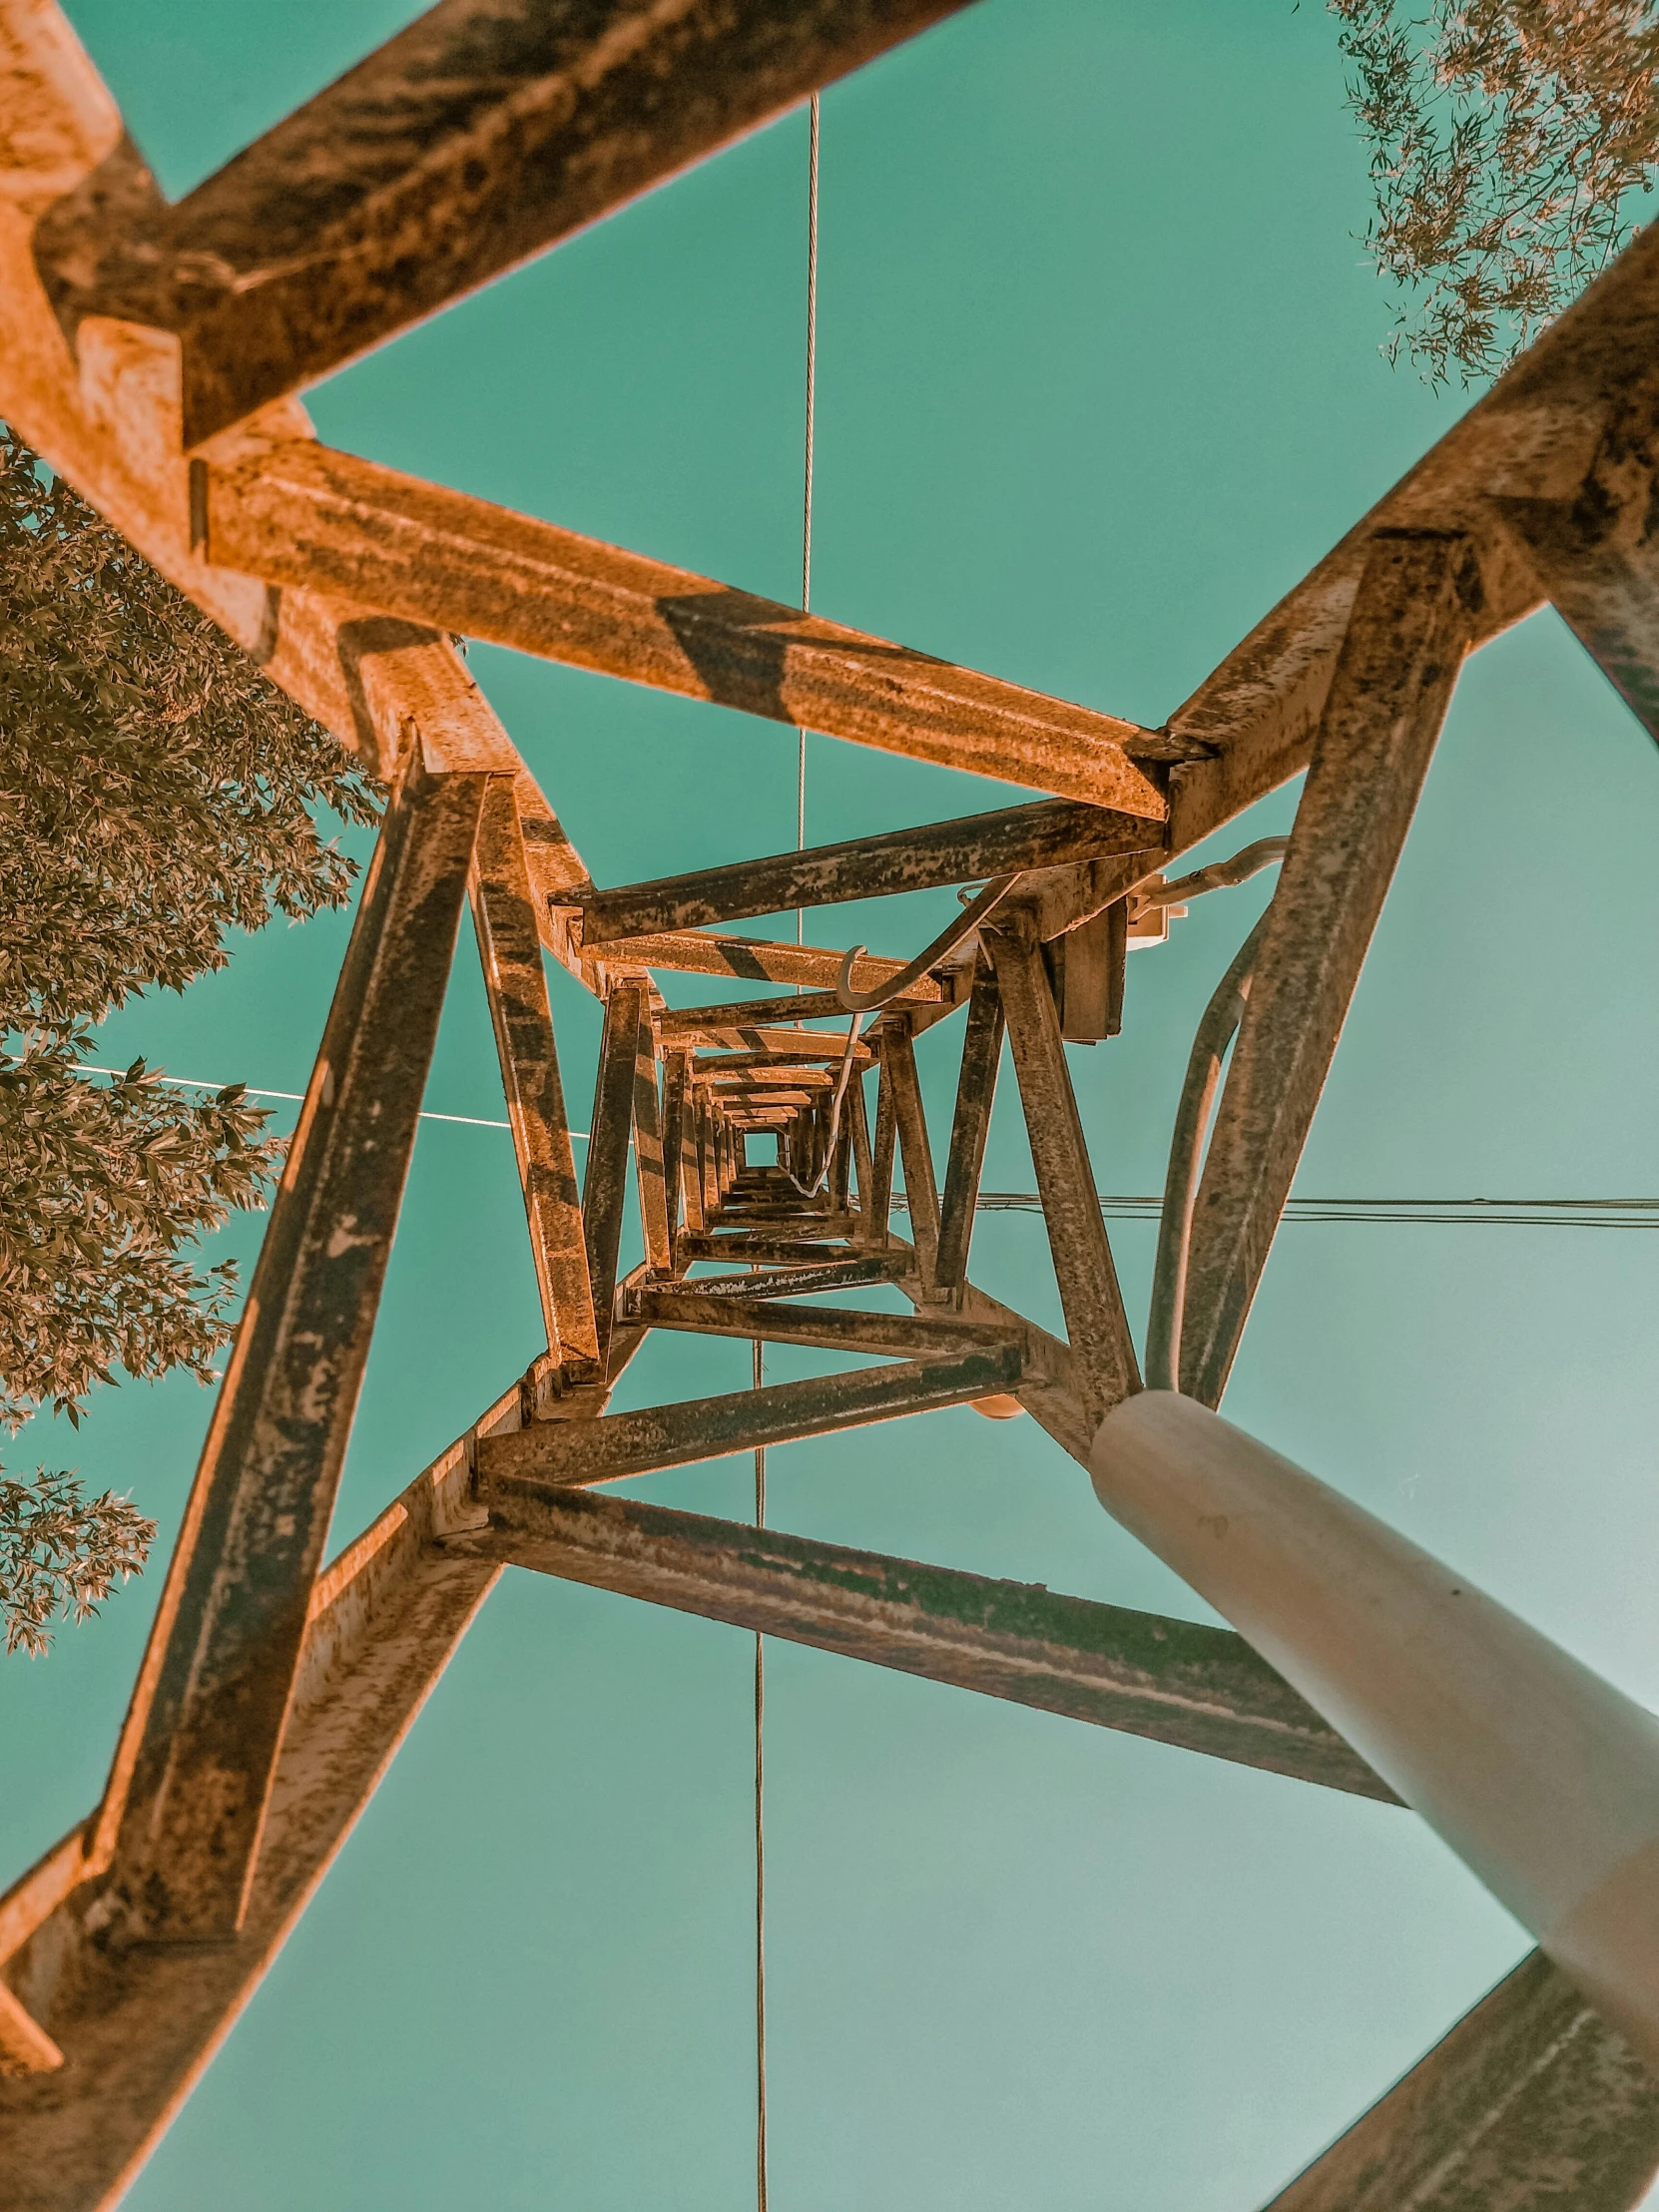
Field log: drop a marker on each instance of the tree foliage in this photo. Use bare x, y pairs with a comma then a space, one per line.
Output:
100, 1185
156, 792
1508, 140
61, 1552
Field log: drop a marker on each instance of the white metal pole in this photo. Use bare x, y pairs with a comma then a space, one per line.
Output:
1542, 1776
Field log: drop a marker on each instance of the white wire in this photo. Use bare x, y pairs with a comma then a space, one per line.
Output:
1526, 1213
297, 1098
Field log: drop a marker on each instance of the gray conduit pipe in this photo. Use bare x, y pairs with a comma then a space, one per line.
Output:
1542, 1778
948, 939
1220, 875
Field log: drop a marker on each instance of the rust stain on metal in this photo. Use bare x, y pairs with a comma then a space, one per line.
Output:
305, 515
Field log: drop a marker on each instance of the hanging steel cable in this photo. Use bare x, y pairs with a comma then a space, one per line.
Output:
760, 1843
761, 2172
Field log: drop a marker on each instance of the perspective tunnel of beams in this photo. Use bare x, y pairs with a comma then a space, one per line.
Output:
152, 353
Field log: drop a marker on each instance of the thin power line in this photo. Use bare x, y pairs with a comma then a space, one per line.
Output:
1459, 1212
297, 1098
760, 1842
806, 472
760, 2162
1487, 1213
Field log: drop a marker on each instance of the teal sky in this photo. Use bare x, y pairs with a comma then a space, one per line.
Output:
1098, 381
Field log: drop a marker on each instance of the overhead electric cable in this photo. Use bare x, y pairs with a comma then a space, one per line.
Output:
296, 1098
1486, 1212
1480, 1213
1460, 1213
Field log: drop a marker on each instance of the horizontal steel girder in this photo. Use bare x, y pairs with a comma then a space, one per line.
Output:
300, 514
577, 1453
1173, 1681
484, 133
1049, 835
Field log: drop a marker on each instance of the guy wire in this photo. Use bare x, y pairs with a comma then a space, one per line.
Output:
760, 1848
761, 2175
807, 472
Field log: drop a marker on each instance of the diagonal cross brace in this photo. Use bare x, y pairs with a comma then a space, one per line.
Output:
509, 950
1405, 642
192, 1777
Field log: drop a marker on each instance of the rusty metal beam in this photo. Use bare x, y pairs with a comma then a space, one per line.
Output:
504, 918
802, 1051
481, 135
1536, 434
875, 1203
625, 1338
1595, 555
106, 414
25, 2046
305, 515
1088, 1283
863, 1159
898, 1068
755, 1072
809, 1242
140, 2024
835, 1275
763, 1098
838, 1194
691, 1033
967, 850
705, 1144
766, 1218
970, 1126
755, 1204
1170, 1680
1530, 2103
691, 1170
907, 1336
193, 1773
623, 1444
648, 1151
676, 1103
801, 1084
761, 1042
1086, 973
746, 1016
1405, 642
763, 960
605, 1180
1048, 1391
